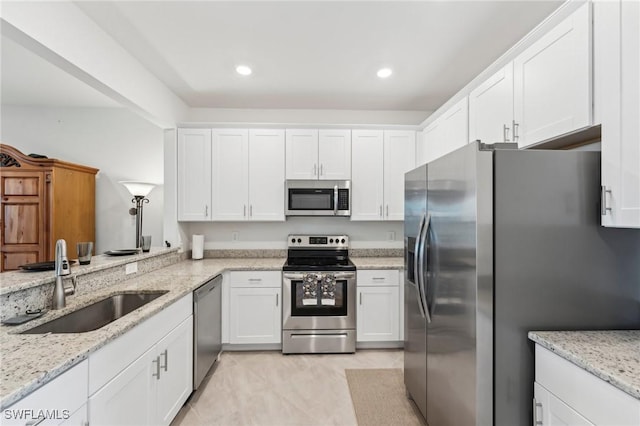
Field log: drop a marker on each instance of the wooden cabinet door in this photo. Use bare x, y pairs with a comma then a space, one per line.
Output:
552, 81
194, 174
176, 372
230, 166
24, 229
302, 154
378, 317
266, 175
255, 315
128, 399
618, 57
367, 175
399, 158
491, 108
334, 154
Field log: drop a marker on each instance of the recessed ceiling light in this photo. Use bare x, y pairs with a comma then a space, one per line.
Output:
243, 70
384, 72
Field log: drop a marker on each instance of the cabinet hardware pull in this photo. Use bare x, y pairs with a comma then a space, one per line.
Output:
206, 211
166, 360
321, 170
255, 279
315, 166
516, 126
37, 421
387, 210
244, 211
360, 298
277, 299
536, 405
603, 200
380, 210
250, 210
505, 132
377, 278
157, 373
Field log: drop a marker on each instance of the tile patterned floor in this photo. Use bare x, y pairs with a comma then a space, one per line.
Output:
271, 389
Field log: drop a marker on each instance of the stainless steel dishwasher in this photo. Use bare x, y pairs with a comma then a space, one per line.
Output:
207, 331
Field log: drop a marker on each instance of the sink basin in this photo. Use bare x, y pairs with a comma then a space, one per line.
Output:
96, 315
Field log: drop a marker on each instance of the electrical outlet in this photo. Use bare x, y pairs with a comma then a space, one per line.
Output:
391, 236
131, 268
235, 236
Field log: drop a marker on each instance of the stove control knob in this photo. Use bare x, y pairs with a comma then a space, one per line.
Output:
342, 241
331, 240
299, 240
293, 240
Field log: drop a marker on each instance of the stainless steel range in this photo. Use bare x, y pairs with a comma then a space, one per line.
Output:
318, 296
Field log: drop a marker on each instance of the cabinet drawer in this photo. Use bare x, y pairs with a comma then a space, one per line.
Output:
62, 397
107, 362
382, 277
598, 401
255, 279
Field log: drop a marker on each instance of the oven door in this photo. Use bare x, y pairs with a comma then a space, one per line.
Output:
319, 300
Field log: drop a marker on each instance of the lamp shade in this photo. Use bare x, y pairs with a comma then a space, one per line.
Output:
141, 189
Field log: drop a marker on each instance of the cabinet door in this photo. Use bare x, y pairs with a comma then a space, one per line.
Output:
378, 314
491, 108
552, 81
194, 174
552, 411
367, 175
176, 372
255, 315
455, 122
334, 154
618, 56
79, 418
434, 141
22, 218
399, 158
266, 175
230, 174
302, 154
128, 399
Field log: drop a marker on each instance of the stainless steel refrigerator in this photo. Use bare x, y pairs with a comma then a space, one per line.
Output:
499, 242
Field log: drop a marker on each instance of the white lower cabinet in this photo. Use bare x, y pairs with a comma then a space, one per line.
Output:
565, 394
79, 418
255, 313
378, 312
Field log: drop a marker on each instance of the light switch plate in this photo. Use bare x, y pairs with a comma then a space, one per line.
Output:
131, 268
391, 236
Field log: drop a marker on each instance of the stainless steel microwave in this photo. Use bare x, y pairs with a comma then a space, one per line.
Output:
318, 198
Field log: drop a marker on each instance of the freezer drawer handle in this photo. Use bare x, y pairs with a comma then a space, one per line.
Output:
536, 405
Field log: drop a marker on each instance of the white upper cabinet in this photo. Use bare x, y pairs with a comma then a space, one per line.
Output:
194, 174
399, 158
230, 174
313, 154
367, 177
617, 56
248, 175
552, 82
334, 154
491, 108
266, 175
448, 132
379, 161
302, 153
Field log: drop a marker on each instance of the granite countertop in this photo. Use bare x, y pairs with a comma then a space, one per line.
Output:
611, 355
31, 360
378, 262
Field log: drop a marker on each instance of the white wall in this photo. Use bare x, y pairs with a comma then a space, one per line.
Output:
273, 235
121, 144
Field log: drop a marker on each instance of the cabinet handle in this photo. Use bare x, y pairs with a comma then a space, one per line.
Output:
536, 405
380, 210
166, 360
37, 421
387, 210
377, 278
255, 279
315, 168
603, 200
250, 210
505, 132
515, 131
244, 211
321, 170
277, 299
206, 210
360, 298
157, 373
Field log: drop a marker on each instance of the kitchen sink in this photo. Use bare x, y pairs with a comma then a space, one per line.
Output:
96, 315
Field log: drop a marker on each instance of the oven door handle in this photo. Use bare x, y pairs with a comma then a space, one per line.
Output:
345, 275
293, 276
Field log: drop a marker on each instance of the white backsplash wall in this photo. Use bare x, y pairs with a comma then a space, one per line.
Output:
119, 143
273, 235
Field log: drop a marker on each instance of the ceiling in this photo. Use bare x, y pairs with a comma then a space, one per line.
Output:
304, 54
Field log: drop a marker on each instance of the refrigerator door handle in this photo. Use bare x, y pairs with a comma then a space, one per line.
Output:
422, 260
416, 265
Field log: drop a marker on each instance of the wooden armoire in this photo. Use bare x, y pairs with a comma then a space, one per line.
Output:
43, 200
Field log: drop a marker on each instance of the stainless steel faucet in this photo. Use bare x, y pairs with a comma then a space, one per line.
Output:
62, 269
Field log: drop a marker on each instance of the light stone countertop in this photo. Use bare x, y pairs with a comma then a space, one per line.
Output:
378, 262
611, 355
31, 360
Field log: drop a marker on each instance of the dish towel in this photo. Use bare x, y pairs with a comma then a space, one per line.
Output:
328, 290
310, 290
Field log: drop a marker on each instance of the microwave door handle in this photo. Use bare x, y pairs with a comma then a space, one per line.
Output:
335, 200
